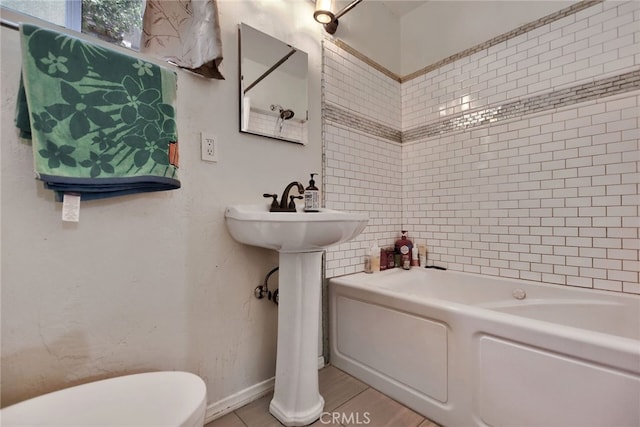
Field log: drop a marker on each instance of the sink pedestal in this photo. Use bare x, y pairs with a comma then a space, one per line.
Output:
300, 238
296, 399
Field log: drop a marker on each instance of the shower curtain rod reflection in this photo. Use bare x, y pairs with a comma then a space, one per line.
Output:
270, 70
9, 24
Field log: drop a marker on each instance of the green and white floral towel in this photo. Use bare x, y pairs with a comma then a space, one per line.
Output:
102, 123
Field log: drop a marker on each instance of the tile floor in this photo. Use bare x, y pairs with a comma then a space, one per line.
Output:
343, 394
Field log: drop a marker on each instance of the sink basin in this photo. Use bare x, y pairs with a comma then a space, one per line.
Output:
293, 231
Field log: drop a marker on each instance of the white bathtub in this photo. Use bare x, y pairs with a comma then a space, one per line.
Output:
461, 350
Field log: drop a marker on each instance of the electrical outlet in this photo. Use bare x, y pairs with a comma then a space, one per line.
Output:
208, 145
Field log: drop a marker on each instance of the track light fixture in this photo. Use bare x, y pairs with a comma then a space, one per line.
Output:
325, 16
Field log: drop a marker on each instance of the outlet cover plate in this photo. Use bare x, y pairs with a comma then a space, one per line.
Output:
209, 147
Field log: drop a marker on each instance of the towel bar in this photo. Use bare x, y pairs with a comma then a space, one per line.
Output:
9, 24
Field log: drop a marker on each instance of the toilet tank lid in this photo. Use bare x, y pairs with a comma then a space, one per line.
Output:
148, 399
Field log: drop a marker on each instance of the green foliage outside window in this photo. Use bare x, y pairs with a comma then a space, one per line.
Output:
111, 20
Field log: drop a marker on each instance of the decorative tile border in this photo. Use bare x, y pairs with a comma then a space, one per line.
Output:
560, 98
609, 86
348, 118
580, 93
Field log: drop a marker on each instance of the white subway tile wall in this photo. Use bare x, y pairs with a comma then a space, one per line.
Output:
563, 53
543, 197
520, 160
350, 83
362, 171
268, 123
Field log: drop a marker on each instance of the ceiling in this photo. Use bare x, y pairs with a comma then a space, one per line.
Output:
402, 7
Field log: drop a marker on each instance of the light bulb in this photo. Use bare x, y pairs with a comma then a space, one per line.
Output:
323, 12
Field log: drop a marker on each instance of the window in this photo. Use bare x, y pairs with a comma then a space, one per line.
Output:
116, 21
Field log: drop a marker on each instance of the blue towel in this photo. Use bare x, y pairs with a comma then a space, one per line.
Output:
102, 123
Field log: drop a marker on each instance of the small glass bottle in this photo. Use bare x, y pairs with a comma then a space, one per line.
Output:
406, 262
414, 257
367, 264
374, 255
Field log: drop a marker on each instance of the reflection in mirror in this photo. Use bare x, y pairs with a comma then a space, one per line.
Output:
273, 87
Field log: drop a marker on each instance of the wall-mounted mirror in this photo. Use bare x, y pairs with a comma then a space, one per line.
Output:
273, 87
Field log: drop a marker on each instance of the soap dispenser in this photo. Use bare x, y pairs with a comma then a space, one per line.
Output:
312, 196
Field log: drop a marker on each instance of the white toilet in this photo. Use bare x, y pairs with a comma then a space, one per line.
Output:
154, 399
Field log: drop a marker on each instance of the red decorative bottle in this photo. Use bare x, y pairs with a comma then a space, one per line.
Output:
403, 247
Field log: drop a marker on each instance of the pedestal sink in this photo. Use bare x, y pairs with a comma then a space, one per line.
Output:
299, 238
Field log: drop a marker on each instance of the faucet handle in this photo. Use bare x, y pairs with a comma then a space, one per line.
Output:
274, 204
292, 204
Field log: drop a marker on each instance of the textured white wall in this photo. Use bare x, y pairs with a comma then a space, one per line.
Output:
151, 282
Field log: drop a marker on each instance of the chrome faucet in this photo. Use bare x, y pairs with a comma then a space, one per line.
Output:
285, 206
